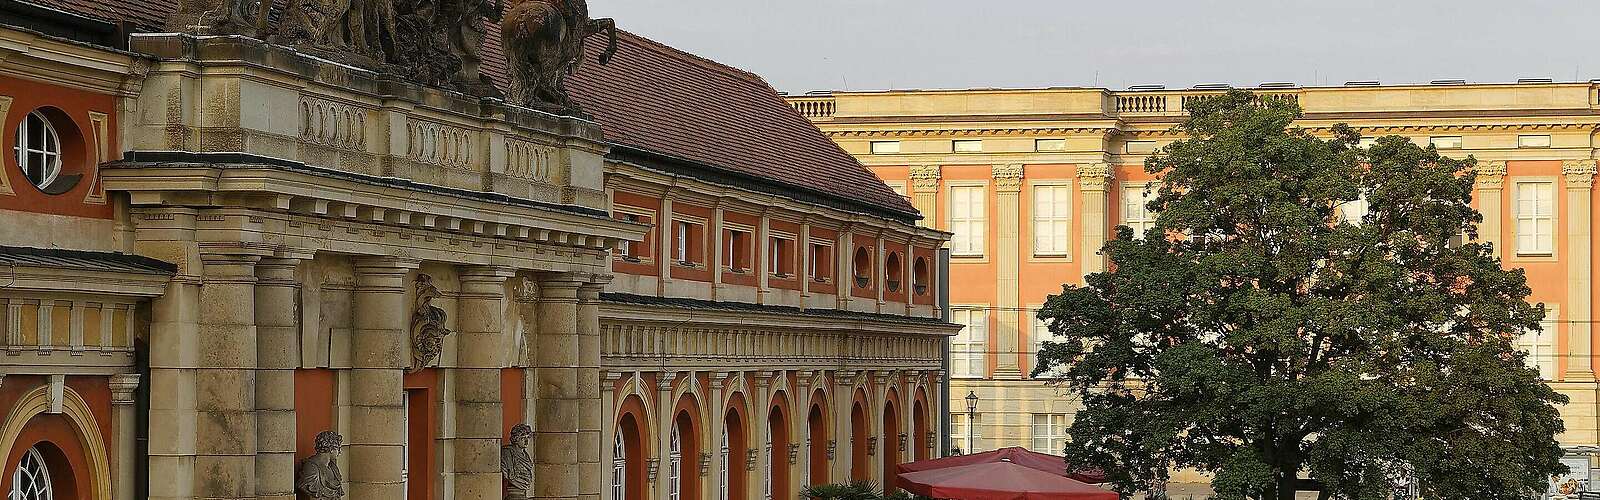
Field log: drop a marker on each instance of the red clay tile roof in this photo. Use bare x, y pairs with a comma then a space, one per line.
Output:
662, 100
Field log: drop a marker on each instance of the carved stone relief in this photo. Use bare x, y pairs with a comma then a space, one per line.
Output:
544, 43
516, 467
427, 325
319, 478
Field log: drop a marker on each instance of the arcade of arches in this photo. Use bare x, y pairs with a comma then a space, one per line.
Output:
749, 460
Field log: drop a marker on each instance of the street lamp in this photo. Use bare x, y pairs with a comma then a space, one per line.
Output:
972, 423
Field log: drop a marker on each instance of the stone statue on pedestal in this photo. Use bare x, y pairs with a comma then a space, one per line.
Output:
544, 43
319, 475
427, 325
516, 467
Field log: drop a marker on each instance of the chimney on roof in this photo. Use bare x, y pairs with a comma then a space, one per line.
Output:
1362, 83
1213, 86
1451, 81
1535, 80
1148, 86
1277, 85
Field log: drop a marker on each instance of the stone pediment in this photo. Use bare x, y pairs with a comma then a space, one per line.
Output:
233, 94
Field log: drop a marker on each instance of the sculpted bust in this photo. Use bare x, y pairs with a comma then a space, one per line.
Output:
319, 475
516, 467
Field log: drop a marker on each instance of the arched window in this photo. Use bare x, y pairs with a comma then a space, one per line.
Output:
619, 468
892, 272
863, 267
722, 473
31, 481
674, 464
919, 276
38, 150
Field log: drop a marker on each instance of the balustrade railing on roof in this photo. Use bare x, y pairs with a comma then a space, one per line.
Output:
813, 107
1177, 102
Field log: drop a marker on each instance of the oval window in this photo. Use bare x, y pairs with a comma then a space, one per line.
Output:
38, 150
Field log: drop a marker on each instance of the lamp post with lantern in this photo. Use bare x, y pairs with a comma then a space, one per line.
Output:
972, 423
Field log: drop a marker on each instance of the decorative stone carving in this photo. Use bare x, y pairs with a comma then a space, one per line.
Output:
705, 464
794, 453
651, 468
1491, 174
833, 445
526, 160
516, 467
902, 441
319, 475
924, 177
1007, 177
427, 325
931, 437
750, 459
544, 43
438, 144
220, 17
872, 445
1094, 177
1579, 173
333, 124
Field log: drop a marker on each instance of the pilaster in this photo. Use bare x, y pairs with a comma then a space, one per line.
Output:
1093, 181
124, 426
1579, 176
555, 429
592, 414
1007, 188
1487, 190
840, 445
174, 353
277, 355
225, 387
925, 192
663, 434
380, 347
479, 421
664, 242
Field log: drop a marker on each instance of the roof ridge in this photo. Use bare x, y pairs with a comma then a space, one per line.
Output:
692, 57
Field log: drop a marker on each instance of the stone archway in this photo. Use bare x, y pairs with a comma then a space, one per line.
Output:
95, 482
633, 436
891, 440
860, 468
817, 440
735, 440
778, 456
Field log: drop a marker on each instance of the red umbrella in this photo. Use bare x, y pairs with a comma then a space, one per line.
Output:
1034, 460
998, 481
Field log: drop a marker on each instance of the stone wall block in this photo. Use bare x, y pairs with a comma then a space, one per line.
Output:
557, 480
555, 447
225, 476
225, 433
225, 390
377, 425
368, 382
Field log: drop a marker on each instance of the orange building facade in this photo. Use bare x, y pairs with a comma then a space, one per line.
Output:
1031, 181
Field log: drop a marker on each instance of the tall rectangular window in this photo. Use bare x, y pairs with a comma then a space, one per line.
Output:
1052, 220
967, 221
1049, 433
736, 250
780, 257
819, 265
1135, 198
1541, 346
680, 247
967, 357
966, 434
1536, 218
1354, 210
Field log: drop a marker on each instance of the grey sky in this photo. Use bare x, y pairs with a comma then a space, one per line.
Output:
877, 44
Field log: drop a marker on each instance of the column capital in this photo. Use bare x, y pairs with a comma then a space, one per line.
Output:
610, 376
1491, 174
1579, 173
486, 273
122, 387
924, 178
1094, 177
664, 381
1007, 178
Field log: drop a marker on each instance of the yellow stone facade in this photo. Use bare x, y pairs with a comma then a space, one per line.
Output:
1021, 150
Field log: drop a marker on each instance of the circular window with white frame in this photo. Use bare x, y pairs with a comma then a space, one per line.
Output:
48, 150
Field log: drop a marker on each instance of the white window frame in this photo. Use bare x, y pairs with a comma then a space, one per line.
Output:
970, 229
1053, 435
1052, 231
899, 187
1533, 141
1541, 345
729, 247
1354, 211
1136, 216
1038, 334
1449, 141
674, 464
1528, 217
722, 470
1140, 147
50, 152
970, 346
680, 238
959, 426
619, 467
40, 485
966, 146
1039, 145
883, 147
813, 265
766, 484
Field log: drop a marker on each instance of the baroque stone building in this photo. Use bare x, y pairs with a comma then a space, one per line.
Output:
1033, 181
225, 263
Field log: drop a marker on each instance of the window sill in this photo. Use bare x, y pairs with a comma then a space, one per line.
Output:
966, 255
1051, 255
689, 265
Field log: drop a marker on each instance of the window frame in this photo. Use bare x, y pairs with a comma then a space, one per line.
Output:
956, 146
977, 250
1065, 220
1518, 218
1545, 340
1038, 142
1522, 144
1055, 426
815, 271
1435, 139
1149, 219
970, 344
54, 161
872, 147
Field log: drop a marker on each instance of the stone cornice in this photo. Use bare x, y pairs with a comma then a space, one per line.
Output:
72, 64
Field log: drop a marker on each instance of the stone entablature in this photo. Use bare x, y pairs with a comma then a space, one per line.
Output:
235, 94
642, 344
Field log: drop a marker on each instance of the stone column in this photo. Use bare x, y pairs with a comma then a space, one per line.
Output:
844, 280
718, 248
1008, 315
125, 420
1093, 180
380, 351
715, 421
803, 260
664, 243
592, 412
1487, 190
757, 436
277, 355
843, 397
880, 271
174, 352
663, 433
608, 433
555, 430
480, 333
1580, 192
908, 275
762, 266
225, 406
925, 193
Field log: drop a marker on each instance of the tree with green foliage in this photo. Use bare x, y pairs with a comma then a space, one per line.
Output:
1253, 334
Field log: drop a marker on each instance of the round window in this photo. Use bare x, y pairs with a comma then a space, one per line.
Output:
31, 480
38, 150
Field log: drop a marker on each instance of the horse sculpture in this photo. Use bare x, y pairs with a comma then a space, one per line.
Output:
544, 43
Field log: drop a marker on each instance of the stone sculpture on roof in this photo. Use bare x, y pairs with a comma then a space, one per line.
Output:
543, 44
436, 43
